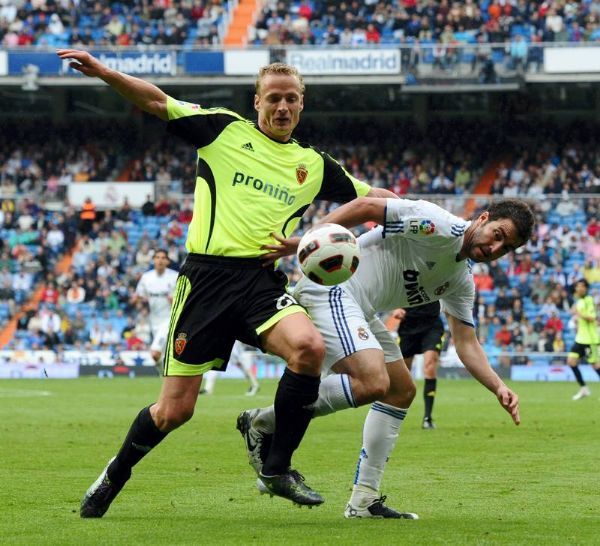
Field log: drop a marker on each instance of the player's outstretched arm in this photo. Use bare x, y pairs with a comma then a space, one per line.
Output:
472, 355
382, 192
143, 94
357, 212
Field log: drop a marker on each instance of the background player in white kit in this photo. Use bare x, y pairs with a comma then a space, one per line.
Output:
416, 255
240, 357
156, 287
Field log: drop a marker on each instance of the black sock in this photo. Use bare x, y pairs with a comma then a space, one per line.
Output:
141, 438
429, 396
578, 375
294, 393
597, 371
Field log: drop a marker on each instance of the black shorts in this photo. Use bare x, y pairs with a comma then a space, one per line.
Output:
417, 342
583, 350
219, 300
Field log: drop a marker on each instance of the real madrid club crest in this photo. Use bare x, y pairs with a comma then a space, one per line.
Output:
301, 173
363, 334
441, 289
180, 343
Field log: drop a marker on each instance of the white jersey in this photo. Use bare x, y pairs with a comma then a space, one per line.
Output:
411, 260
158, 290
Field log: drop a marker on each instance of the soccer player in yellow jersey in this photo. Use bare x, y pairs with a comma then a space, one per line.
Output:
253, 184
587, 338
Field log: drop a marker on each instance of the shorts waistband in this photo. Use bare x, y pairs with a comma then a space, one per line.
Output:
226, 261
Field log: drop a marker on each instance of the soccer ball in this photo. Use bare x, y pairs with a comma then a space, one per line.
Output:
328, 254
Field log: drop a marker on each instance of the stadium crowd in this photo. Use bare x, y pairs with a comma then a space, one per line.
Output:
516, 23
88, 23
523, 300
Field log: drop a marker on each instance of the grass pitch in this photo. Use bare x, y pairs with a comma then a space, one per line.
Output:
477, 479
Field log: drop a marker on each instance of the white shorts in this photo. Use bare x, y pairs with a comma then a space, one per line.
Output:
343, 325
159, 337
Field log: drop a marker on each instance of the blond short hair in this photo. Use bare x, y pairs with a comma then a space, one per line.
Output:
279, 69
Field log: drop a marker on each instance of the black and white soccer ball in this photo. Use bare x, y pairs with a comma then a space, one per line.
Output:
328, 254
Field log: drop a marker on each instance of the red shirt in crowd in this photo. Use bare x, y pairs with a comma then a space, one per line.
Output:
554, 323
50, 295
504, 337
483, 281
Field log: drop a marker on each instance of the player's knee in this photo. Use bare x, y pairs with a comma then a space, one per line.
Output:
172, 417
379, 386
309, 352
429, 370
409, 392
401, 395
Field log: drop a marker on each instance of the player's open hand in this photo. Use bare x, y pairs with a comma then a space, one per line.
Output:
286, 247
83, 62
510, 402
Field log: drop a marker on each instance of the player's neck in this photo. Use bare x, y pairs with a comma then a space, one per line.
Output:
464, 249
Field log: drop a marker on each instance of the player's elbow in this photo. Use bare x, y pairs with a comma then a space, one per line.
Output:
157, 108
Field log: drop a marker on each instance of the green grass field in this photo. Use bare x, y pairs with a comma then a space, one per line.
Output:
477, 479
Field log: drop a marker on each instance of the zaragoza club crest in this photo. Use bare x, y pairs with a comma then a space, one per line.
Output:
180, 343
301, 173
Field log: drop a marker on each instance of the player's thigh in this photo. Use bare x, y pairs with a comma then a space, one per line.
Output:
340, 320
577, 351
292, 334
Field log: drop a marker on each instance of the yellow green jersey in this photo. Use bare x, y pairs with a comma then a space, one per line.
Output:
249, 186
587, 331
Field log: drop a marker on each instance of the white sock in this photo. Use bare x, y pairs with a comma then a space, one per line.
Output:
209, 380
380, 432
335, 394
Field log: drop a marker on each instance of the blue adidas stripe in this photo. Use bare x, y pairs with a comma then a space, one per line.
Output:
347, 386
339, 320
397, 413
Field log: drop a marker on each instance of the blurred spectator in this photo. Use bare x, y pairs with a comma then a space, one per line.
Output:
148, 207
87, 215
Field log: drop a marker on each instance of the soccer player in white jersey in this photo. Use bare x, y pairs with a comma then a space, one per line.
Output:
156, 287
419, 253
239, 357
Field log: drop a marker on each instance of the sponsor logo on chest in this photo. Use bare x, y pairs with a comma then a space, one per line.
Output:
415, 293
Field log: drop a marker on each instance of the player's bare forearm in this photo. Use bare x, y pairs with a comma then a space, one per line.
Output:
143, 94
472, 355
357, 212
382, 192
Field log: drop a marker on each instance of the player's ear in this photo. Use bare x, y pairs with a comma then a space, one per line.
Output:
301, 103
484, 216
256, 103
